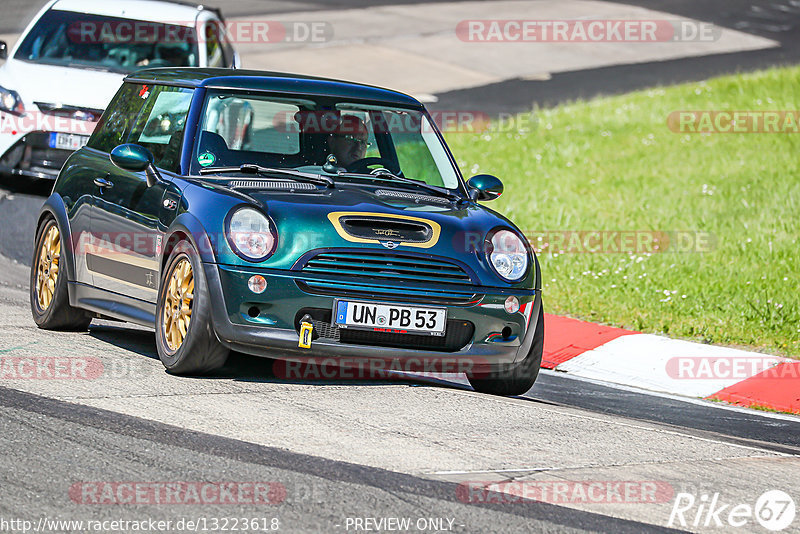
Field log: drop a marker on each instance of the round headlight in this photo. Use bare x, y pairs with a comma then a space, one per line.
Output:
508, 255
7, 101
251, 234
10, 101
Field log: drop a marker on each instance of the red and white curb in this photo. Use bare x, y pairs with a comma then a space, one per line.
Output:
657, 363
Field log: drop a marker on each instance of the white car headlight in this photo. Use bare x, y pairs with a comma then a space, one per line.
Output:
251, 234
508, 255
11, 102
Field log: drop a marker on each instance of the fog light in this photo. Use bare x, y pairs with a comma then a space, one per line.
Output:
258, 284
512, 304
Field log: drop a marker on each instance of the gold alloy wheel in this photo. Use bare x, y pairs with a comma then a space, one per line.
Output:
178, 304
47, 268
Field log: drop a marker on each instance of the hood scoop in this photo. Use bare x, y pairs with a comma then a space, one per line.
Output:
413, 197
387, 229
279, 185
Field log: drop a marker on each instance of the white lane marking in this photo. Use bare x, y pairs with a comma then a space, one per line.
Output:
669, 365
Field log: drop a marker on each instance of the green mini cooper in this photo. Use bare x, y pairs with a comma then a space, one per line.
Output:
288, 217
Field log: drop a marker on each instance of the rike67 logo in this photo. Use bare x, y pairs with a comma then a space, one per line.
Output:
774, 510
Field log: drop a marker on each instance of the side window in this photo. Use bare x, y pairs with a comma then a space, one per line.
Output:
117, 122
160, 125
214, 54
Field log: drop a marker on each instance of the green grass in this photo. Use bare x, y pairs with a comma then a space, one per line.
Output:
613, 164
753, 406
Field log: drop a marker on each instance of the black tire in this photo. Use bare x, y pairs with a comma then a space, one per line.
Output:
200, 352
55, 313
518, 378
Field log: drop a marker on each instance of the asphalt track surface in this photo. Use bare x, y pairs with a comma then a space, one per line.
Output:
135, 429
380, 449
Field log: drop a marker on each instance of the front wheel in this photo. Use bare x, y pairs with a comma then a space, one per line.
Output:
185, 337
517, 378
48, 284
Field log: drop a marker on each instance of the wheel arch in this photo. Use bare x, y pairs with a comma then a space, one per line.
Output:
55, 208
187, 227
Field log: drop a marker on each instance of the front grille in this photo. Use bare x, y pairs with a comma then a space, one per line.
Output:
458, 334
409, 295
379, 266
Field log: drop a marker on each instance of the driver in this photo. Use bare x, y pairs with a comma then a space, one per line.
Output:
349, 141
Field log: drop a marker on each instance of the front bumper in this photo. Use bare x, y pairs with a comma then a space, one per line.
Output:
30, 155
495, 338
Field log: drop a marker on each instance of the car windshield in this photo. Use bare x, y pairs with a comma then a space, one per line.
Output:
66, 38
346, 140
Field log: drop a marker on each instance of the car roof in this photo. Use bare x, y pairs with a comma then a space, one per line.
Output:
178, 13
270, 81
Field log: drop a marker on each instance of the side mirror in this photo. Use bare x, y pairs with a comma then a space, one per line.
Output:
135, 158
484, 187
3, 50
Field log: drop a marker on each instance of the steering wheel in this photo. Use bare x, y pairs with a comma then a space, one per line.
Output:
362, 166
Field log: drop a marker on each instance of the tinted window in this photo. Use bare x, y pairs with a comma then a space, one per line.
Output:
161, 124
118, 120
115, 44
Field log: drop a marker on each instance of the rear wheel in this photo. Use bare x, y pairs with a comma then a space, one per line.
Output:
185, 337
518, 378
48, 284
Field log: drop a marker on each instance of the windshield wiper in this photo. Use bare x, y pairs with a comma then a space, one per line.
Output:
389, 177
250, 168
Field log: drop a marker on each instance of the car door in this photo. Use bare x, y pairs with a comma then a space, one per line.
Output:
91, 166
130, 217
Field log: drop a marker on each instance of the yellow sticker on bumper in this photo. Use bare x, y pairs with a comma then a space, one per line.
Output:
306, 330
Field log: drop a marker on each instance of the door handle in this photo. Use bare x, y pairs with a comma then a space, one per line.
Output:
102, 183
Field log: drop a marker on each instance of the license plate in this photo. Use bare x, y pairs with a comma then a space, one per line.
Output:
68, 141
390, 318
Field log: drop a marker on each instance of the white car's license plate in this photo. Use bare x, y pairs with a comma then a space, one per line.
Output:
390, 318
68, 141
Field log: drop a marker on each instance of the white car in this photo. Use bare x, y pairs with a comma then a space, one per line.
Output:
72, 58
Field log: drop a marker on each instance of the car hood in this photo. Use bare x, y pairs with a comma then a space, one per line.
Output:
313, 220
66, 86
